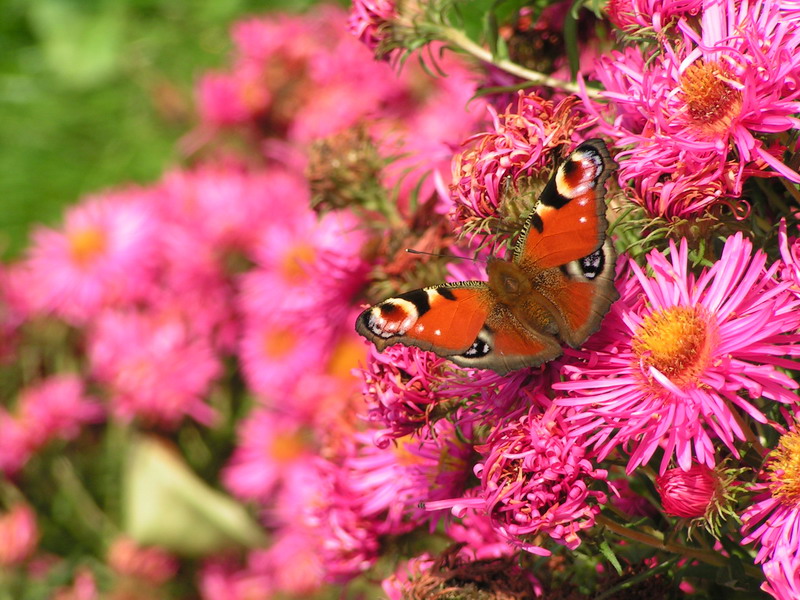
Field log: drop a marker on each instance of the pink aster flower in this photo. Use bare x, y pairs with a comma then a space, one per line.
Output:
20, 535
154, 365
633, 15
270, 445
391, 482
772, 520
56, 407
293, 561
710, 101
104, 254
226, 206
369, 21
150, 564
537, 477
501, 164
14, 446
676, 352
227, 99
402, 387
477, 532
224, 580
276, 349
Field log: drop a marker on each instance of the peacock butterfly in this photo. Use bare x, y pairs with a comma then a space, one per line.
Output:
556, 288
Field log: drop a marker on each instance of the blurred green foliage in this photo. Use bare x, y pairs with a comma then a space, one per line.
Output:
96, 93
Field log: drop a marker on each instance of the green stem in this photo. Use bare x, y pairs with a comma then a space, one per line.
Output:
711, 558
460, 40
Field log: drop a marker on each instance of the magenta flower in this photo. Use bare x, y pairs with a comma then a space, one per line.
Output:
633, 15
149, 564
391, 483
675, 353
772, 520
370, 21
14, 446
56, 407
20, 535
402, 387
154, 365
270, 445
707, 104
502, 163
105, 254
537, 477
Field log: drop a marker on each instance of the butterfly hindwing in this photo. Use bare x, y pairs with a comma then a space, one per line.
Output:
463, 322
568, 223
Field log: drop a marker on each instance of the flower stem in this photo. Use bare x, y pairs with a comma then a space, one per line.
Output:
709, 557
460, 40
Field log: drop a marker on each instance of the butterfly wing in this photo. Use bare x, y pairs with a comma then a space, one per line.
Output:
569, 223
463, 322
563, 247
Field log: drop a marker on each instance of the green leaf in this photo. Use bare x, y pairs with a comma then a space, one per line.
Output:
610, 556
166, 504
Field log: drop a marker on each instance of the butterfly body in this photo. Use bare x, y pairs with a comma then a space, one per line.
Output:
556, 288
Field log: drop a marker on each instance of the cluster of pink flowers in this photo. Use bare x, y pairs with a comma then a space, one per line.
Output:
705, 106
214, 308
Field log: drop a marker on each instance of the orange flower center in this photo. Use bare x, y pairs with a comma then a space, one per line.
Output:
286, 447
296, 261
676, 341
85, 245
279, 343
347, 355
711, 98
784, 467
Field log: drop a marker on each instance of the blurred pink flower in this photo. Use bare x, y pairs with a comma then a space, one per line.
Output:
154, 366
369, 21
56, 407
152, 564
225, 580
105, 254
676, 352
293, 562
269, 446
19, 534
228, 207
14, 446
393, 482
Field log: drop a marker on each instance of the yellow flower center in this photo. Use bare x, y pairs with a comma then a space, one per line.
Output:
279, 343
85, 245
676, 341
286, 447
713, 102
295, 262
784, 468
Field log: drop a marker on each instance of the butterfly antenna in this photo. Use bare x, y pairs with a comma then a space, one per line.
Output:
440, 255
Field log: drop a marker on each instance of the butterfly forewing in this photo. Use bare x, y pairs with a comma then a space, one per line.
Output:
444, 318
568, 223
